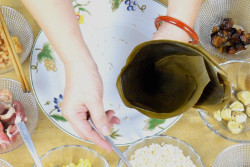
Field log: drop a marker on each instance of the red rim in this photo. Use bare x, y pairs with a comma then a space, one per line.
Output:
180, 24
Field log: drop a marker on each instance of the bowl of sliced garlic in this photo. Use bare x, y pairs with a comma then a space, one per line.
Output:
233, 121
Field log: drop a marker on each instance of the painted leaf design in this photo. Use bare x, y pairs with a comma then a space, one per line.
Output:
46, 53
84, 10
152, 123
58, 117
47, 102
80, 5
35, 67
77, 5
115, 134
115, 4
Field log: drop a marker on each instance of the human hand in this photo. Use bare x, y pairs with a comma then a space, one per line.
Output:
84, 95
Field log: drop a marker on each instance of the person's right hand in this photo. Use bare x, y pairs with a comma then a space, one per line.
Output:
83, 96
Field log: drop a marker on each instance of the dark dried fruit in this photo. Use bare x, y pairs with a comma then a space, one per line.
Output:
227, 24
228, 39
232, 31
235, 38
217, 41
230, 50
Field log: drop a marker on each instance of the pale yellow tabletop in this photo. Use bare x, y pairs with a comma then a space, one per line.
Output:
190, 128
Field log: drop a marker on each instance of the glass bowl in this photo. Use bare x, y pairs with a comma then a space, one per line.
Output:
4, 163
239, 76
186, 148
18, 26
30, 106
234, 156
64, 155
212, 13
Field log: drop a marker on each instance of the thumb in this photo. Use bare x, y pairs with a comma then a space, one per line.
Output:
99, 118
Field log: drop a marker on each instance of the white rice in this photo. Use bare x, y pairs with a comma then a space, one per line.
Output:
164, 155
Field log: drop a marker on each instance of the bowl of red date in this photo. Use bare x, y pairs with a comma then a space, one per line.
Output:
223, 28
14, 103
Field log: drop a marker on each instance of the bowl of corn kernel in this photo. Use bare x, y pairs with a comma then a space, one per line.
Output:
233, 121
73, 156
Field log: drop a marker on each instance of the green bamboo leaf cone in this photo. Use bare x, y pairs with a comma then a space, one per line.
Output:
164, 78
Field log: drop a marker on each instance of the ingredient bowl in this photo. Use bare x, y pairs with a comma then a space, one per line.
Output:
212, 14
67, 154
174, 151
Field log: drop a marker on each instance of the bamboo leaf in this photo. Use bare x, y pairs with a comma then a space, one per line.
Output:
58, 117
163, 79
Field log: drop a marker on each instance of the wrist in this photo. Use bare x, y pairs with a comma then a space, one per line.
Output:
185, 11
171, 32
77, 55
183, 18
177, 34
80, 64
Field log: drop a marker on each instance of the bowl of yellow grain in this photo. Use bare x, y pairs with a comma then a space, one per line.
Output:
73, 155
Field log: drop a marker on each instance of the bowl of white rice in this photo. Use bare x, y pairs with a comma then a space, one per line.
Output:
161, 151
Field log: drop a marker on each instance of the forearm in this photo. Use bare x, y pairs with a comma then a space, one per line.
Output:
183, 10
58, 20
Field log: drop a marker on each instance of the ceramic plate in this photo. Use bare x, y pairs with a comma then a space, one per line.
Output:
111, 30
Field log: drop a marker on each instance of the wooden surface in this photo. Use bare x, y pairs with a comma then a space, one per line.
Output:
190, 128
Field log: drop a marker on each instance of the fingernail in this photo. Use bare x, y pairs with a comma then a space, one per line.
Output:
105, 130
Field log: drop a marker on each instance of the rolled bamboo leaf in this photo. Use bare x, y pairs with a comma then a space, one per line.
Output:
217, 93
165, 78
